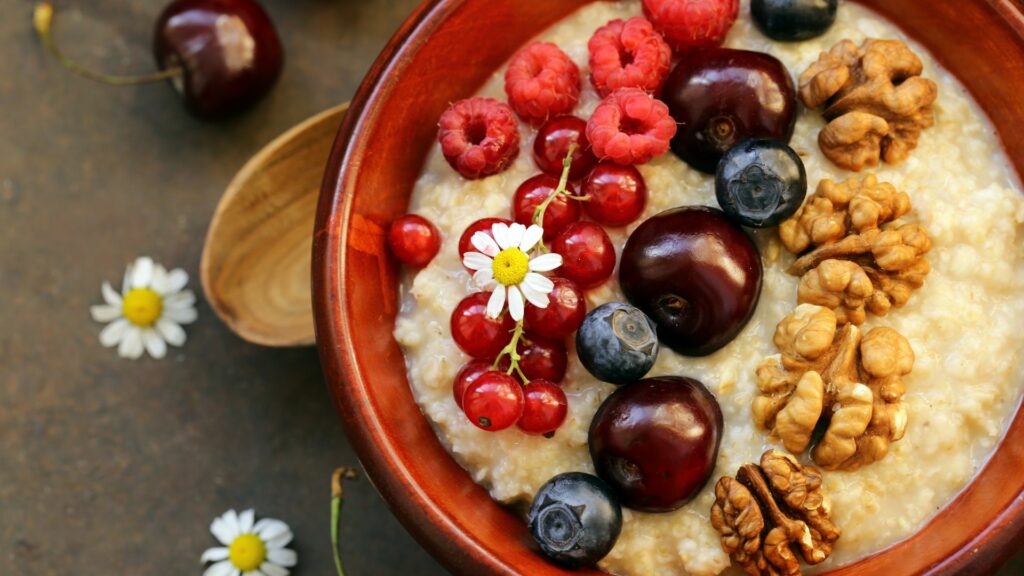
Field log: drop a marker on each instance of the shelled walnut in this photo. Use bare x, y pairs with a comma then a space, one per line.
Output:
874, 99
767, 514
835, 377
856, 258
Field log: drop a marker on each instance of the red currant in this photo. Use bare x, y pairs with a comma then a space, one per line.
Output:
494, 401
617, 194
588, 257
477, 334
560, 213
481, 225
542, 359
544, 409
552, 144
414, 240
564, 314
467, 374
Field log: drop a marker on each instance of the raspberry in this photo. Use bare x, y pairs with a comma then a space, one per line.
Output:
630, 127
541, 82
628, 54
692, 23
479, 136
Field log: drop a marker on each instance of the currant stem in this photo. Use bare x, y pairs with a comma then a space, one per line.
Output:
513, 354
43, 17
563, 183
337, 494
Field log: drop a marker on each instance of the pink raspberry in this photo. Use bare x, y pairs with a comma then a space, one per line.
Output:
542, 82
630, 127
692, 23
628, 54
479, 136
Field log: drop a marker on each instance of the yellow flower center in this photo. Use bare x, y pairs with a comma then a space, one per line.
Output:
247, 552
510, 266
142, 306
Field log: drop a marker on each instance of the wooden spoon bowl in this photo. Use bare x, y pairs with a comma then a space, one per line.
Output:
255, 267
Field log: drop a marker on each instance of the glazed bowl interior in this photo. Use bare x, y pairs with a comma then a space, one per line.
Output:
446, 51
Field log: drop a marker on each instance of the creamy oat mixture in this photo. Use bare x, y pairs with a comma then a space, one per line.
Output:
964, 324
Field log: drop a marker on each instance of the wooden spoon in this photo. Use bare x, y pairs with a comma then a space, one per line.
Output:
255, 268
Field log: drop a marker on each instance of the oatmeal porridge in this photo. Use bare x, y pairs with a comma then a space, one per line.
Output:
963, 323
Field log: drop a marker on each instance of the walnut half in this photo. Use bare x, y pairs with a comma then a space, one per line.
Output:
851, 383
874, 99
768, 514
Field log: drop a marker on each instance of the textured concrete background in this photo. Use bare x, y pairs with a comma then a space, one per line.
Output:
109, 466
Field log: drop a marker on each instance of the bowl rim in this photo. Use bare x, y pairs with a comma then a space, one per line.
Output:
419, 513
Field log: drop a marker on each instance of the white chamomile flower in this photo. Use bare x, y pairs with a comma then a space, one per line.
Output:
148, 313
249, 548
504, 266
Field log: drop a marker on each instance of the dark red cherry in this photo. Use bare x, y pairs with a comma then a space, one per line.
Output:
414, 240
565, 312
544, 409
588, 256
552, 144
482, 225
655, 442
542, 359
696, 274
560, 213
722, 96
228, 50
477, 334
617, 194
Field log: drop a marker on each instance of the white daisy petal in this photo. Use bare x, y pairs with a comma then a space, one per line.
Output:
534, 293
154, 344
245, 521
497, 301
484, 279
485, 243
477, 261
126, 283
515, 235
268, 528
180, 300
114, 332
515, 303
131, 343
532, 235
142, 272
159, 280
546, 262
215, 554
255, 572
274, 569
110, 296
105, 312
235, 572
171, 331
279, 541
222, 568
225, 528
284, 556
176, 280
539, 283
186, 316
500, 232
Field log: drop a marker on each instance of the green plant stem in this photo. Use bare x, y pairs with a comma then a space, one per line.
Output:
561, 190
337, 496
42, 19
512, 353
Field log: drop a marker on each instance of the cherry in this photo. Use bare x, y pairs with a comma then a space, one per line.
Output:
221, 55
482, 225
564, 314
494, 401
588, 257
655, 442
477, 334
544, 409
560, 213
542, 359
414, 240
552, 144
617, 194
466, 376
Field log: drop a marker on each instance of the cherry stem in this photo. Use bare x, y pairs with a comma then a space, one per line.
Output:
43, 18
511, 351
561, 190
337, 494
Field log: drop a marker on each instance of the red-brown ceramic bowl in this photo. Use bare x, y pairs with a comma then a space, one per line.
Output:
445, 51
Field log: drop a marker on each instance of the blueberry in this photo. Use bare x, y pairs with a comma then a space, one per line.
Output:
617, 343
789, 20
575, 519
760, 182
